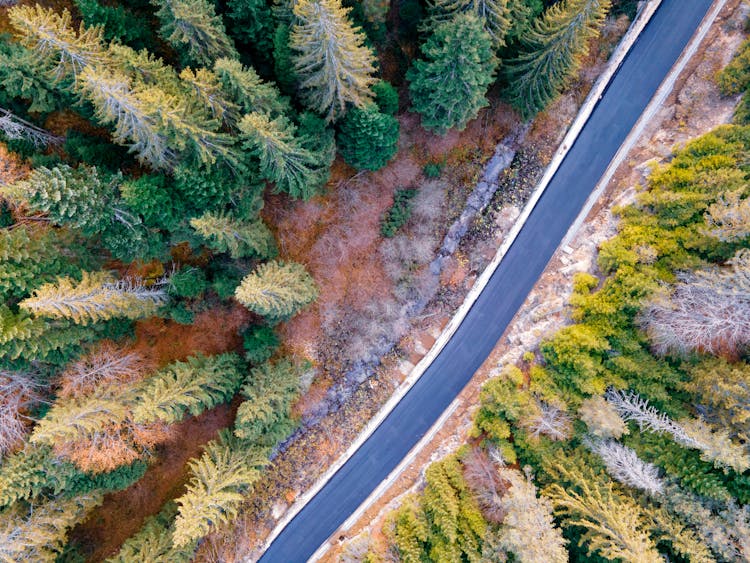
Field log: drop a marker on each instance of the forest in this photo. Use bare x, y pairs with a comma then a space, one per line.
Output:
624, 436
140, 142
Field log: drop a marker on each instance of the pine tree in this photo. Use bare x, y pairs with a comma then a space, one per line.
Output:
367, 138
277, 290
97, 297
264, 417
153, 542
494, 15
252, 23
219, 478
283, 159
193, 386
552, 52
31, 472
208, 93
78, 197
239, 238
39, 533
24, 75
51, 34
334, 66
193, 28
449, 84
601, 418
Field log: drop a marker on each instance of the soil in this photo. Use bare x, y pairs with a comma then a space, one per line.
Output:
695, 107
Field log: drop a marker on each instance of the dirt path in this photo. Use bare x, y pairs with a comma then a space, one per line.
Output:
693, 108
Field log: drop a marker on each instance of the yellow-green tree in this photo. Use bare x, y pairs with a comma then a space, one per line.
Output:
277, 290
219, 480
494, 15
239, 238
192, 386
97, 297
334, 65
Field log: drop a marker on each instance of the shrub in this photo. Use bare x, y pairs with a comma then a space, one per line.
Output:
260, 343
399, 213
433, 169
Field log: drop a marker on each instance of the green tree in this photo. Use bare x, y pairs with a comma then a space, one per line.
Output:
386, 97
97, 297
24, 76
367, 138
193, 386
494, 15
277, 290
334, 66
265, 416
244, 87
153, 542
448, 85
283, 158
283, 59
252, 23
552, 52
119, 23
78, 197
193, 28
219, 479
239, 238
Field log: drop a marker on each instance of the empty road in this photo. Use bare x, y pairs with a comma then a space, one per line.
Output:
649, 61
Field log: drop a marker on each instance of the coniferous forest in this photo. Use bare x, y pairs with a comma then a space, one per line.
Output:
139, 144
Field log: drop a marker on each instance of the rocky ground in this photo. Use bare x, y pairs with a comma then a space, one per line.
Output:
693, 108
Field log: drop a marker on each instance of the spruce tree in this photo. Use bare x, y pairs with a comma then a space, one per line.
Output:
193, 28
193, 386
334, 65
448, 85
265, 416
219, 478
97, 297
283, 159
277, 290
552, 53
244, 87
494, 15
78, 197
367, 138
239, 238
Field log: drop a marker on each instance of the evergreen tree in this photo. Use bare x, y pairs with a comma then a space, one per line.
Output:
51, 35
494, 15
239, 238
334, 66
97, 297
119, 23
199, 384
264, 417
25, 76
252, 23
277, 290
244, 87
614, 524
78, 197
283, 159
38, 533
367, 138
193, 28
153, 542
528, 529
208, 93
729, 217
386, 97
552, 52
283, 59
449, 84
227, 469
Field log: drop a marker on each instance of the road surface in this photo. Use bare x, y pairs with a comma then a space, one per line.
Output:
646, 65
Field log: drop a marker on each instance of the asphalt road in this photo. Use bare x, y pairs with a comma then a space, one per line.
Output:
648, 62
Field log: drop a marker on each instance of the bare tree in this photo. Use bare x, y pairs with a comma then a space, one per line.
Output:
13, 127
624, 465
18, 391
481, 474
706, 311
550, 421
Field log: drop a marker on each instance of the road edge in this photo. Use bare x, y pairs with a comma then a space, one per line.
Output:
587, 108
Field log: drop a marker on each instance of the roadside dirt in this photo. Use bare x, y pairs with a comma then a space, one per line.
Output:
694, 107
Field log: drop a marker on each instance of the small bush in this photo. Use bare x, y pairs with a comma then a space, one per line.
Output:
433, 169
180, 314
399, 213
260, 343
